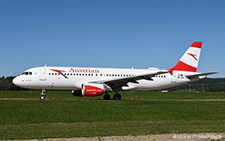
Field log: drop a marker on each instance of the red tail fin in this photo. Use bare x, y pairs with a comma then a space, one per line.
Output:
189, 61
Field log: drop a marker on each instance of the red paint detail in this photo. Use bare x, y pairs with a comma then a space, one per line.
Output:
181, 66
193, 55
60, 72
71, 70
197, 44
84, 70
92, 91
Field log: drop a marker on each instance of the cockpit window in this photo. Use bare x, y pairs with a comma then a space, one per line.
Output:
27, 73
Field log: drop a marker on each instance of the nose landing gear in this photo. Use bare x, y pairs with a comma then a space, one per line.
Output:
42, 97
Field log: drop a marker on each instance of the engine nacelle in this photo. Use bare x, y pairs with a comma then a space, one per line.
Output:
93, 89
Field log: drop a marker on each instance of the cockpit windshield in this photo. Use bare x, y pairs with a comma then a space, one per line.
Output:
27, 73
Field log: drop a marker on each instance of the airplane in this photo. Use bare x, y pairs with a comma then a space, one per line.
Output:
92, 82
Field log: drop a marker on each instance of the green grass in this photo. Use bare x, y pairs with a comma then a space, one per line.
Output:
125, 95
64, 119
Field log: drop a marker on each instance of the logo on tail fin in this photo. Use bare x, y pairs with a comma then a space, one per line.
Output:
193, 55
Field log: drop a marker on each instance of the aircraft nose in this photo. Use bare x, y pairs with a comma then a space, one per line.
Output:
16, 81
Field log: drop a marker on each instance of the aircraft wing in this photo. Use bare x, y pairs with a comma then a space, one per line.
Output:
119, 82
201, 74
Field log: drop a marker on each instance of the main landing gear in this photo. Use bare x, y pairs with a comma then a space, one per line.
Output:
115, 97
42, 97
106, 96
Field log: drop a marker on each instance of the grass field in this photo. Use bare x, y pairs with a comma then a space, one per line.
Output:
125, 95
63, 119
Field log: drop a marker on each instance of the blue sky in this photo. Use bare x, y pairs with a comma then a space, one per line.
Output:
110, 33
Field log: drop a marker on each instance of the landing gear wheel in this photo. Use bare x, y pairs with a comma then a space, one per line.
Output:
117, 97
42, 97
106, 97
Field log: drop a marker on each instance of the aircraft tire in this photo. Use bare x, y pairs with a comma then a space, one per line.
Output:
106, 97
117, 97
42, 97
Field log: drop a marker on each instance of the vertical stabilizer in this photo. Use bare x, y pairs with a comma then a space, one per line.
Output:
189, 61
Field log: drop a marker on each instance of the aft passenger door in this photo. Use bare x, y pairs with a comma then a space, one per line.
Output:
173, 79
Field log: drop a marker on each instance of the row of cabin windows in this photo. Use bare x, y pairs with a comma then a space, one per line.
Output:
79, 74
163, 76
114, 75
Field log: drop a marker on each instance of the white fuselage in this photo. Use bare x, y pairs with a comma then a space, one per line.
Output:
99, 81
71, 78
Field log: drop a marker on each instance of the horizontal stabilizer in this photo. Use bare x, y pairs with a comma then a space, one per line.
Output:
201, 74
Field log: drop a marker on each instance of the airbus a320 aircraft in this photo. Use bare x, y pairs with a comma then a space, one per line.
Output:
98, 81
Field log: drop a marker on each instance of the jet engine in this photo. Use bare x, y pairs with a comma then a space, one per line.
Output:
90, 90
93, 89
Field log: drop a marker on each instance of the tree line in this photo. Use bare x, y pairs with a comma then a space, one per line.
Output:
204, 85
6, 84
